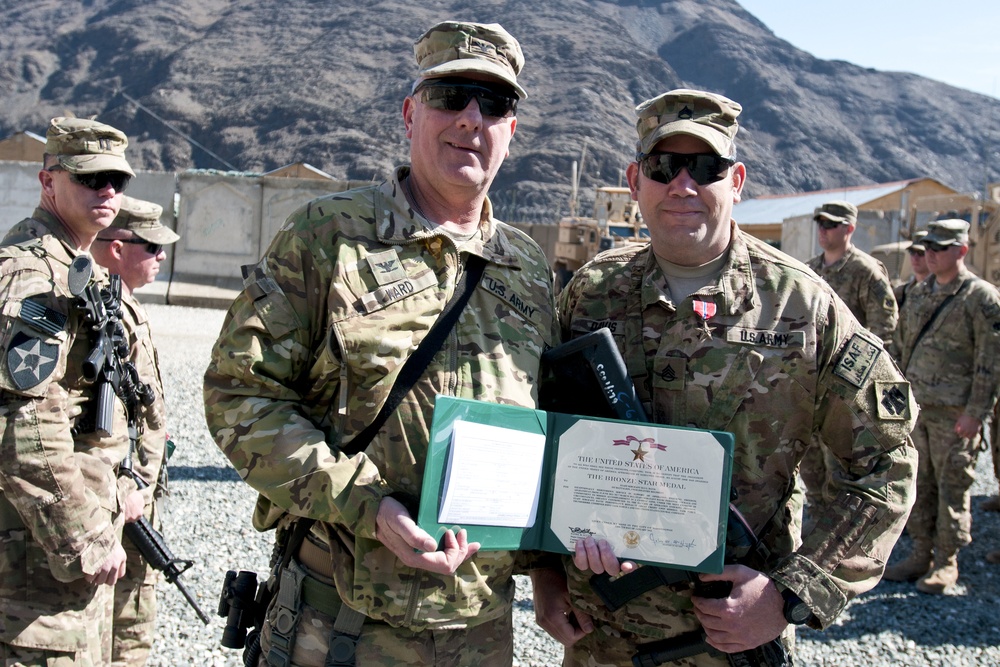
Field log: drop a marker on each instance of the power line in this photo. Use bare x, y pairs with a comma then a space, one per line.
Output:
177, 130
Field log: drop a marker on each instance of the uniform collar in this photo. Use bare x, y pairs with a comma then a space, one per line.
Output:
398, 224
733, 294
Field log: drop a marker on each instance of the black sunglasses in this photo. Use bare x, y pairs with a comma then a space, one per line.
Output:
704, 168
151, 248
826, 223
455, 96
915, 251
935, 247
97, 181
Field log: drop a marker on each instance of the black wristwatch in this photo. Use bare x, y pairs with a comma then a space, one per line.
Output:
796, 611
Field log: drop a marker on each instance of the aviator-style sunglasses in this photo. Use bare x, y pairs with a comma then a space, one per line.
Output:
456, 95
151, 248
935, 247
97, 181
826, 223
704, 168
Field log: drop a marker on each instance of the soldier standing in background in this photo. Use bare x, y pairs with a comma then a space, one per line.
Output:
133, 248
60, 508
949, 339
720, 331
863, 283
918, 262
311, 347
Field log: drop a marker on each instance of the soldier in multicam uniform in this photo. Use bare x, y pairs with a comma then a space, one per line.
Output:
918, 262
310, 349
863, 284
720, 331
61, 510
949, 340
133, 248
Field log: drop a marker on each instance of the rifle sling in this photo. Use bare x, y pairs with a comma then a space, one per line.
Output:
348, 622
933, 317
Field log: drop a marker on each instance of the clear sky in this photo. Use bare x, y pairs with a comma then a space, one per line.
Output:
954, 41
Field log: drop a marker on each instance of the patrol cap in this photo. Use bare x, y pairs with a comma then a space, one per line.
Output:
948, 232
918, 241
843, 212
707, 116
85, 146
453, 48
142, 218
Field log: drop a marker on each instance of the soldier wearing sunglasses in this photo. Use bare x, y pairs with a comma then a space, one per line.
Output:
949, 339
60, 514
863, 283
133, 248
309, 352
721, 331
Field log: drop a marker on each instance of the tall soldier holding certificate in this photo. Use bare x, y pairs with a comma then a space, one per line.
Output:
322, 337
720, 331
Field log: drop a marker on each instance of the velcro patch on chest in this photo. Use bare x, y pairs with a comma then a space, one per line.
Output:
857, 360
762, 338
30, 360
393, 292
386, 267
506, 293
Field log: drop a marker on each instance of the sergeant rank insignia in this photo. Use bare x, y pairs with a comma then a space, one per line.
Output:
30, 360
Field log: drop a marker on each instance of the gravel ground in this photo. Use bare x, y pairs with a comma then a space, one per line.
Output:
207, 520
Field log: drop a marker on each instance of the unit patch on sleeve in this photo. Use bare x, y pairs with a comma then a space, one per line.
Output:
893, 400
30, 360
857, 360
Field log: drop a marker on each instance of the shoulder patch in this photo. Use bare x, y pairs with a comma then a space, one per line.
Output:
893, 399
30, 360
857, 359
42, 318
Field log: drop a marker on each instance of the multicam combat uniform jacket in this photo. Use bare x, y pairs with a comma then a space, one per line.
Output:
57, 490
863, 283
771, 356
309, 351
135, 593
954, 363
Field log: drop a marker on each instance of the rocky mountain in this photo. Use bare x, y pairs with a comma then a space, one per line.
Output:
233, 84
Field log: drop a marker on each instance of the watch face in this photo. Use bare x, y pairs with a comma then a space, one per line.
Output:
798, 613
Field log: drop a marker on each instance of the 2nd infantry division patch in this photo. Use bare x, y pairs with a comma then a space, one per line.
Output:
30, 360
893, 399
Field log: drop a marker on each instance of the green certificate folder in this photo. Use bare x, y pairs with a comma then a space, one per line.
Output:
517, 478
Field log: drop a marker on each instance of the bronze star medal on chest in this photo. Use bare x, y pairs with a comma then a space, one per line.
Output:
705, 310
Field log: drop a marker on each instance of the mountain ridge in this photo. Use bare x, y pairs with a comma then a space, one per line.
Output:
262, 85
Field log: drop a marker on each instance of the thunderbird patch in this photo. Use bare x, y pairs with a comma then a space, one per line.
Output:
30, 360
893, 400
857, 360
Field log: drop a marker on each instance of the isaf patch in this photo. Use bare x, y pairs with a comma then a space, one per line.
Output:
857, 360
30, 360
893, 400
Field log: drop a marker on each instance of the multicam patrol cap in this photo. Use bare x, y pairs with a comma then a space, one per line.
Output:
918, 241
843, 212
85, 146
948, 232
453, 48
142, 218
706, 116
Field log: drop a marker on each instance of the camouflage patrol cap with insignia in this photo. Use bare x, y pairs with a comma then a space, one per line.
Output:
948, 232
85, 146
918, 241
843, 212
142, 218
706, 116
453, 48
